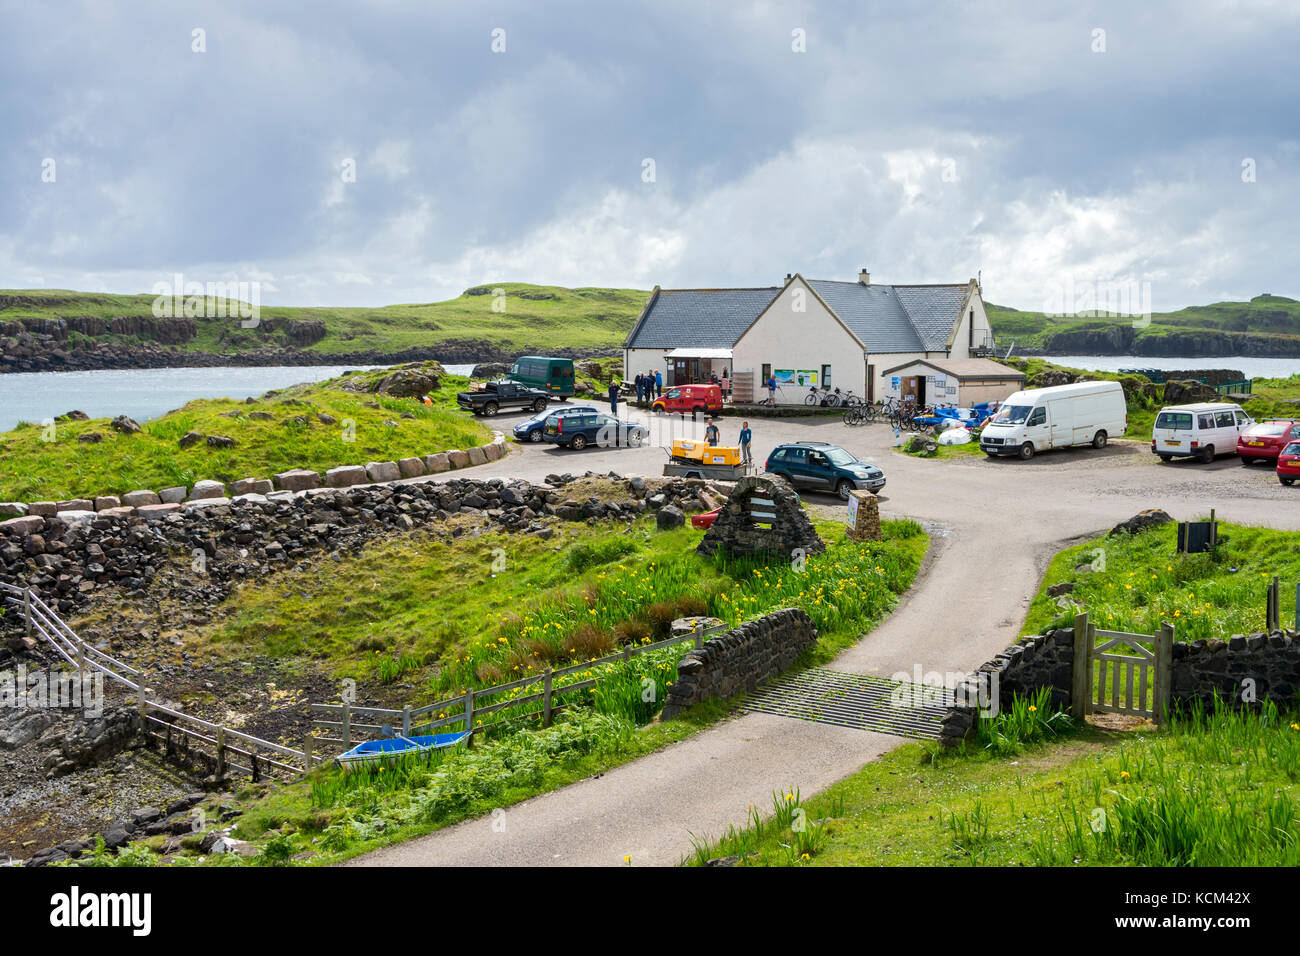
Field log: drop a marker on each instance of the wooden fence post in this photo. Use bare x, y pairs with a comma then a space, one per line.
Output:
1081, 675
306, 753
1273, 611
546, 699
1164, 670
347, 727
469, 716
221, 752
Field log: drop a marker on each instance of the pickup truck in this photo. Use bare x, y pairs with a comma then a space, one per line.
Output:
503, 394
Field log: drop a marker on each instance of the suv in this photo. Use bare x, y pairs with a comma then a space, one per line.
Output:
1264, 441
577, 431
689, 398
823, 467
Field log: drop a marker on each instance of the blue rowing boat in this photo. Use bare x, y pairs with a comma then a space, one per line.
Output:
373, 751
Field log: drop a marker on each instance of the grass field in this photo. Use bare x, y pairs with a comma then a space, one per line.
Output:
38, 469
435, 614
535, 318
1217, 789
442, 610
1141, 581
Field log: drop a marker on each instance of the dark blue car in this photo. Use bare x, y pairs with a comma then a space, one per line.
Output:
530, 429
592, 428
820, 466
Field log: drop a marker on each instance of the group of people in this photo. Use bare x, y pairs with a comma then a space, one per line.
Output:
649, 385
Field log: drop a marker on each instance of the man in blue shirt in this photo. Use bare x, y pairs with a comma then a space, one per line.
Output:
746, 436
659, 384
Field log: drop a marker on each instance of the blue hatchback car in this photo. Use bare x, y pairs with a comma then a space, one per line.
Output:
820, 466
530, 429
592, 428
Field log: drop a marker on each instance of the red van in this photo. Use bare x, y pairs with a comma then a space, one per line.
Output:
691, 399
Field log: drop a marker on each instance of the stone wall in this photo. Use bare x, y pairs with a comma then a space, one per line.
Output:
739, 660
735, 531
206, 493
1272, 661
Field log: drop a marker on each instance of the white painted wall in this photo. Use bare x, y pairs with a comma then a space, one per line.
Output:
961, 343
798, 332
643, 360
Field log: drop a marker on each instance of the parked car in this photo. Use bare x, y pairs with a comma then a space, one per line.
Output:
823, 467
592, 428
689, 399
1264, 441
1288, 464
1035, 420
551, 375
1198, 431
503, 394
530, 429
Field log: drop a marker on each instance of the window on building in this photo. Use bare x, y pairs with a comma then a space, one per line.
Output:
826, 376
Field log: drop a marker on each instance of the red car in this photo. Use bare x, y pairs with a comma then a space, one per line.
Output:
1288, 464
1263, 441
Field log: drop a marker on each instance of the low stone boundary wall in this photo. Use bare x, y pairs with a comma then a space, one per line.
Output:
739, 660
1242, 670
205, 493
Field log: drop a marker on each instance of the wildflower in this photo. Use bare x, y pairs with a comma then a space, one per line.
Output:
1123, 774
1033, 709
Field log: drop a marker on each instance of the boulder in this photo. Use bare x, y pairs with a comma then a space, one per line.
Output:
407, 383
12, 509
458, 458
42, 507
220, 441
670, 516
1150, 518
173, 495
411, 467
125, 425
207, 489
188, 439
205, 503
104, 502
489, 370
437, 463
90, 438
26, 525
251, 486
383, 471
137, 498
297, 479
75, 504
493, 451
477, 456
346, 475
155, 512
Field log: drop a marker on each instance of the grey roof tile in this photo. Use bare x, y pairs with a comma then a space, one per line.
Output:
699, 318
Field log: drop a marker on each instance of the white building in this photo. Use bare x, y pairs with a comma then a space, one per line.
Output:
806, 332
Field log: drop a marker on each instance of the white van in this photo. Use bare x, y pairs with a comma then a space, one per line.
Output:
1202, 430
1057, 417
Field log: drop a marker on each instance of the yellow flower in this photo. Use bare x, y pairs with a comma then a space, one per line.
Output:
628, 859
1123, 774
1033, 709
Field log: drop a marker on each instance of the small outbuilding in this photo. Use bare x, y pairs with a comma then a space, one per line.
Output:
963, 382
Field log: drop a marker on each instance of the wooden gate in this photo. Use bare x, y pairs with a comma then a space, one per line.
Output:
1109, 681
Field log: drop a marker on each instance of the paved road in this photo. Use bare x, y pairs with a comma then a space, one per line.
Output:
995, 525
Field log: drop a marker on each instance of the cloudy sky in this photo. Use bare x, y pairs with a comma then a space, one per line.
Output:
1035, 142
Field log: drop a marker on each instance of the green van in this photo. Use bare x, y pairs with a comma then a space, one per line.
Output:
553, 375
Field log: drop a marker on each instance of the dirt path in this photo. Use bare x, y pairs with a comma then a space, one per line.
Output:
994, 525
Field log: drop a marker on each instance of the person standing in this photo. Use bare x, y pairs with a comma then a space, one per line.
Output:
640, 384
746, 436
711, 434
771, 390
613, 397
659, 384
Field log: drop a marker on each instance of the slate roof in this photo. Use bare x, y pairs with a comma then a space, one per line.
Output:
887, 318
699, 318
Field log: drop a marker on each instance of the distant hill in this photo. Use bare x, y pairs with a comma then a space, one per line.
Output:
1267, 325
51, 328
